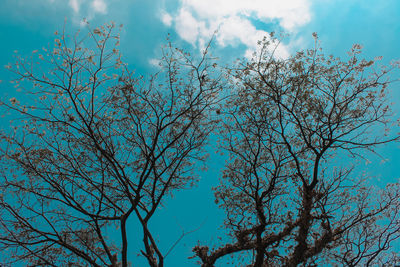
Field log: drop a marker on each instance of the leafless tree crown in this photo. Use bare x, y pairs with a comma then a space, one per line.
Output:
96, 145
93, 144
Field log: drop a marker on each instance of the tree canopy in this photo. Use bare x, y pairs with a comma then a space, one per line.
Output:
93, 144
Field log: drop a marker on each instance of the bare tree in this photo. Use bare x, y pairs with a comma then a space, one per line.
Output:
290, 193
93, 145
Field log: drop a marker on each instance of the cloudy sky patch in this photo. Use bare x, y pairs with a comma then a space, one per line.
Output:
74, 4
196, 21
28, 25
86, 8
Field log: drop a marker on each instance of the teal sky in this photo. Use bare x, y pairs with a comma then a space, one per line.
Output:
26, 25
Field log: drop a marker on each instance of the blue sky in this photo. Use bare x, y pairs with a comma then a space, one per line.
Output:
26, 25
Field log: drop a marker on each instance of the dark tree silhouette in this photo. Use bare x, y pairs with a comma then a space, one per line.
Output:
288, 196
92, 145
95, 145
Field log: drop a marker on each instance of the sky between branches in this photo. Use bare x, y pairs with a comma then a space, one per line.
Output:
27, 25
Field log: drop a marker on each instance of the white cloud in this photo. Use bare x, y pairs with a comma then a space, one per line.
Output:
189, 27
239, 30
196, 21
86, 8
75, 5
154, 62
99, 6
166, 19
